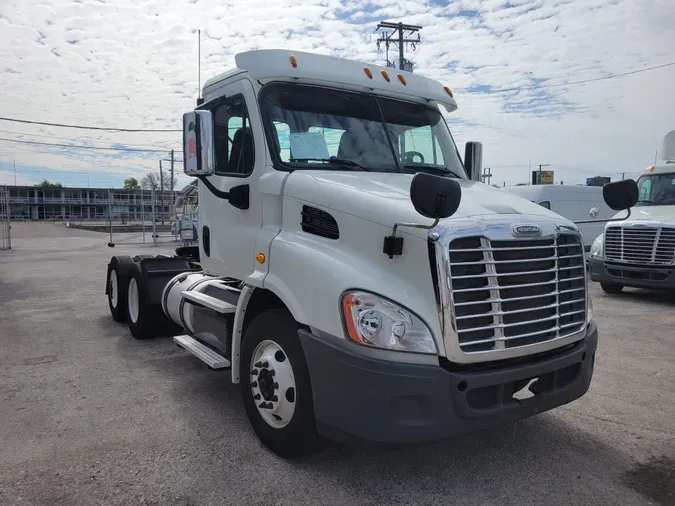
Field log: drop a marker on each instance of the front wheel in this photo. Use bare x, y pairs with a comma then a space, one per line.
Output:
275, 384
611, 288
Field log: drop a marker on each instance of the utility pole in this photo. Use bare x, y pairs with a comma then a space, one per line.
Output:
540, 166
161, 192
14, 172
398, 37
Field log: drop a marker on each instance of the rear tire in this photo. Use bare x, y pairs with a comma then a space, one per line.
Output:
117, 279
611, 288
142, 318
274, 373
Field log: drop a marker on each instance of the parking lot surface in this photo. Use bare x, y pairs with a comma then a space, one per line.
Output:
89, 415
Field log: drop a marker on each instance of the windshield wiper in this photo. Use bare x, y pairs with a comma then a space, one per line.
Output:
343, 162
431, 168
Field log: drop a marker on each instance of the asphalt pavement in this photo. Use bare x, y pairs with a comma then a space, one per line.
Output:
89, 415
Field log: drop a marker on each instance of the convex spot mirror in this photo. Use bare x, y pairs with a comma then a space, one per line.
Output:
434, 196
198, 157
620, 195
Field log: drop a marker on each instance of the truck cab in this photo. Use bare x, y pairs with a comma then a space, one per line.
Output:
640, 251
352, 273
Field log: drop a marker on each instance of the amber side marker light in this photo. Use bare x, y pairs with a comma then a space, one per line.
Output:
294, 61
385, 75
448, 91
260, 258
402, 79
368, 72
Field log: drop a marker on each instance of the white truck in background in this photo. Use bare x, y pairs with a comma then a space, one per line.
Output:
574, 202
640, 251
352, 274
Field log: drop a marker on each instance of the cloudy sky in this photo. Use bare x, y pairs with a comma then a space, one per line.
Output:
117, 63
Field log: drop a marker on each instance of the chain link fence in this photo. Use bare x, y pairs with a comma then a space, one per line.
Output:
5, 217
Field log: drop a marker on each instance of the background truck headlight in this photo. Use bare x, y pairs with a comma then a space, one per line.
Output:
378, 322
596, 247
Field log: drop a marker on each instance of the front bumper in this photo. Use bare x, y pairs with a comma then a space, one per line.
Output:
361, 398
631, 275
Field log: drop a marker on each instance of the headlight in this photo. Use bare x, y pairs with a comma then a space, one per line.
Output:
596, 247
374, 321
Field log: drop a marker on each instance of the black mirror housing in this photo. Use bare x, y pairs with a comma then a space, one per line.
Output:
434, 196
620, 195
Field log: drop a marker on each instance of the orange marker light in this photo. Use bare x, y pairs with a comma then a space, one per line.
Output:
385, 75
651, 169
402, 79
368, 72
448, 91
260, 258
294, 61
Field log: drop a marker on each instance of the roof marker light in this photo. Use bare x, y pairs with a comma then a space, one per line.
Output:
368, 72
385, 75
402, 79
294, 61
448, 91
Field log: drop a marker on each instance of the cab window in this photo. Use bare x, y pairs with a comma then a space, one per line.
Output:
233, 137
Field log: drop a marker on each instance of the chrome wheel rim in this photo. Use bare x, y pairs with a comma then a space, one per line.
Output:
273, 384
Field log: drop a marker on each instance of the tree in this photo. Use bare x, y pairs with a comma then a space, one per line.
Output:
131, 184
151, 181
47, 184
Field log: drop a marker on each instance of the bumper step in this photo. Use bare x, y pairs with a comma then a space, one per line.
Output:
201, 299
210, 357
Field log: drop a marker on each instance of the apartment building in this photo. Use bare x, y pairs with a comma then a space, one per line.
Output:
66, 203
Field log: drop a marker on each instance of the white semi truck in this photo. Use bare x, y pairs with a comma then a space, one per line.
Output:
640, 251
352, 274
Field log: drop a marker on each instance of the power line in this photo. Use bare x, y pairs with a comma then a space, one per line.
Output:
70, 138
82, 127
73, 146
612, 76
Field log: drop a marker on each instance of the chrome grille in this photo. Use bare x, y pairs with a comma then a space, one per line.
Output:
512, 293
640, 244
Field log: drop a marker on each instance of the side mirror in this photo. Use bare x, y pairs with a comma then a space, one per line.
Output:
593, 213
473, 160
620, 195
435, 197
198, 159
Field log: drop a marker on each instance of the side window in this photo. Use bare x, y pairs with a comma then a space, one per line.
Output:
546, 204
332, 137
420, 140
645, 189
233, 137
282, 140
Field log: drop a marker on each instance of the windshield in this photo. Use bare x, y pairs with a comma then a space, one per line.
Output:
657, 189
314, 127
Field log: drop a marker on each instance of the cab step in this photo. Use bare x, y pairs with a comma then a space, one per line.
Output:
210, 357
201, 299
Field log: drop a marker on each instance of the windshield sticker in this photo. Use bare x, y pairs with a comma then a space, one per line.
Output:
306, 145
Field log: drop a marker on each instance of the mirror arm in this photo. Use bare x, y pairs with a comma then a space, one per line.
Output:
394, 245
605, 221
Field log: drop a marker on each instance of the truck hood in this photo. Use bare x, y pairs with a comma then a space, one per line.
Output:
384, 198
665, 214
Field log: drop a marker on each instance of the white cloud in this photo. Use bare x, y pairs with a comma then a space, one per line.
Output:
118, 63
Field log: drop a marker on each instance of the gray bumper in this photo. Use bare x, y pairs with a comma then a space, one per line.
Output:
358, 398
631, 275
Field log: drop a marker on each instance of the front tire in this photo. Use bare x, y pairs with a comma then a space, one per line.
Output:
276, 387
611, 288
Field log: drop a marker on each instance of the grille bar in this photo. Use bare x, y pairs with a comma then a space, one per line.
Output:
512, 293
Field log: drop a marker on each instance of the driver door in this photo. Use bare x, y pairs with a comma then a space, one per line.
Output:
228, 227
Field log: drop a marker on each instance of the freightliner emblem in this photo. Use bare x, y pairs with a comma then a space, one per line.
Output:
530, 230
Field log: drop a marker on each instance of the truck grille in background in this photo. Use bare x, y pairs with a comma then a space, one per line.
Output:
518, 292
640, 245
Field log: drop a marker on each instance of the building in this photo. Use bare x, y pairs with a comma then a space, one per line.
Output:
80, 204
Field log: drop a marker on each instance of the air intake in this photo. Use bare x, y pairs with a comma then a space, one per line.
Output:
318, 222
